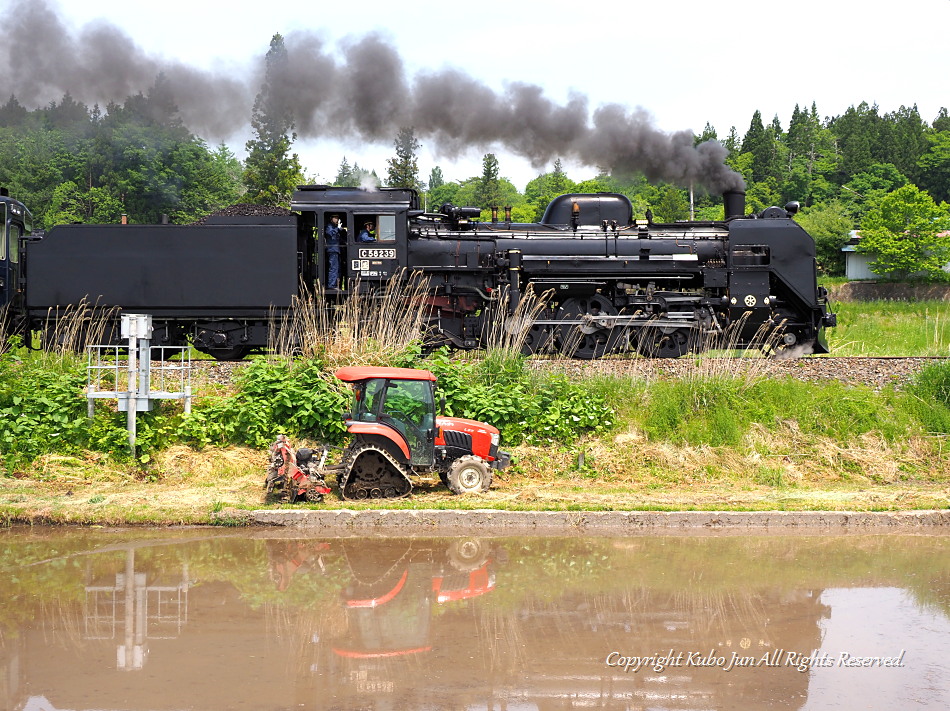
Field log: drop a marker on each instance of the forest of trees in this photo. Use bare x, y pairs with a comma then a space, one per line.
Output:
887, 174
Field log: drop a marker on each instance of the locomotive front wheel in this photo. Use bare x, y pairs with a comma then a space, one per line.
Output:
469, 475
536, 339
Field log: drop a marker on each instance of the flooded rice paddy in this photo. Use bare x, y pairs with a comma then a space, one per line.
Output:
267, 619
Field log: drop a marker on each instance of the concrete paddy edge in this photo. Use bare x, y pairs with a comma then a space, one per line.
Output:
495, 522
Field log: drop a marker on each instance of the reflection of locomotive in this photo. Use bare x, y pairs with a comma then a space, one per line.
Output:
610, 282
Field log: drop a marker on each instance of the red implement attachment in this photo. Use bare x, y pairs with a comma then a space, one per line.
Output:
293, 474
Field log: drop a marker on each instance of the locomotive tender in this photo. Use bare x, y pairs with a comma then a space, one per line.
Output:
607, 282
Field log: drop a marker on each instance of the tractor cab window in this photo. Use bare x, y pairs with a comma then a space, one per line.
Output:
375, 228
410, 401
366, 399
409, 408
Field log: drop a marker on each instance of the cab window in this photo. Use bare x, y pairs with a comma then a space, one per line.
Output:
410, 401
367, 395
387, 228
3, 230
15, 233
375, 228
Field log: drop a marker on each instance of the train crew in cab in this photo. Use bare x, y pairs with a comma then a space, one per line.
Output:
334, 236
368, 233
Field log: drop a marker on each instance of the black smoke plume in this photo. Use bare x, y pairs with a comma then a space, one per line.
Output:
360, 90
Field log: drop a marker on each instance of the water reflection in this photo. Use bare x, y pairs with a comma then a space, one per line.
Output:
267, 620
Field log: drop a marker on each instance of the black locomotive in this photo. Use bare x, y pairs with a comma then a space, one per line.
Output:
606, 282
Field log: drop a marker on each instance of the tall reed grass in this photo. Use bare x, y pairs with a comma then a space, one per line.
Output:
509, 333
379, 326
5, 328
68, 330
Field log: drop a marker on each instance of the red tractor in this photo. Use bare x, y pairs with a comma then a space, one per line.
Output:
394, 434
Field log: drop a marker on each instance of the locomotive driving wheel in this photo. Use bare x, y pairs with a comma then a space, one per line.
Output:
592, 338
664, 342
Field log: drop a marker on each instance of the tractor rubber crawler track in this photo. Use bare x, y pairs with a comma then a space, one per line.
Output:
372, 473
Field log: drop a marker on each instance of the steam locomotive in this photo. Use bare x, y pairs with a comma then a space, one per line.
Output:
601, 280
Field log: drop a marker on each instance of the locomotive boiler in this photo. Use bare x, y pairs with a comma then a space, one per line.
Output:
601, 280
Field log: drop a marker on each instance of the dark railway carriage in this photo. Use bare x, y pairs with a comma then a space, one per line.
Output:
610, 282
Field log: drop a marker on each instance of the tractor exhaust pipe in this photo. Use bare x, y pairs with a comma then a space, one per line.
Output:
733, 203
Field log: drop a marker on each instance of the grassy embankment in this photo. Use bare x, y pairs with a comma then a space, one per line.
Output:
731, 440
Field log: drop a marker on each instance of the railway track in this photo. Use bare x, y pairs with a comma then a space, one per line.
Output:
875, 372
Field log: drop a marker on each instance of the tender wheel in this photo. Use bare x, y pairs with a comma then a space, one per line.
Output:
469, 475
226, 354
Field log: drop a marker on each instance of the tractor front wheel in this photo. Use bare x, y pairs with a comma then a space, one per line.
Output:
468, 475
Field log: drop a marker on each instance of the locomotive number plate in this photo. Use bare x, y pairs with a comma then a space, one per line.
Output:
367, 253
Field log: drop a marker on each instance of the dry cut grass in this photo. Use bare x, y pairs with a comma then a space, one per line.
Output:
773, 469
782, 458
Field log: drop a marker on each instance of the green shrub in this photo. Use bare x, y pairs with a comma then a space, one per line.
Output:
297, 399
42, 408
525, 406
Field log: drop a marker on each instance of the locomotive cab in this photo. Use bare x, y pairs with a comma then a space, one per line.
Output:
375, 228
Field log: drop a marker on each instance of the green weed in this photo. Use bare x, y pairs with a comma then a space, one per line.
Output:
891, 328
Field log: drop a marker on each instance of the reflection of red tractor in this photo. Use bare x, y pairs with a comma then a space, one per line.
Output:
390, 597
395, 433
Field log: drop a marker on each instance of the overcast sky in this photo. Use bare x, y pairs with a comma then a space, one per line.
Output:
685, 62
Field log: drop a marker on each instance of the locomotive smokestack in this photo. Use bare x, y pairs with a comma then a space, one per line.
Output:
733, 203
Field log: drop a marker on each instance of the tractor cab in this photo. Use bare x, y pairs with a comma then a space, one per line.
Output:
395, 433
396, 404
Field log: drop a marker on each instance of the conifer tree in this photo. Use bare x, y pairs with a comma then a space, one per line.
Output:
487, 191
403, 169
436, 180
271, 171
